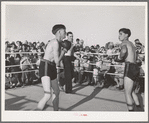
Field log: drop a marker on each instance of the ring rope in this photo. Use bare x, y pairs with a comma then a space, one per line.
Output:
28, 71
114, 74
23, 52
20, 65
98, 54
22, 72
108, 65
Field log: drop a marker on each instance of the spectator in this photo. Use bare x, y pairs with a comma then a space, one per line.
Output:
19, 46
116, 48
13, 49
7, 46
8, 83
33, 49
84, 76
26, 42
77, 68
25, 66
110, 50
92, 49
77, 45
139, 46
34, 43
97, 48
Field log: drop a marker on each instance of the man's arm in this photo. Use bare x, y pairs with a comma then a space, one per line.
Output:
62, 54
56, 52
123, 54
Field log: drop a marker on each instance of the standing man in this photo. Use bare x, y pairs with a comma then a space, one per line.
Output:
47, 68
129, 56
68, 67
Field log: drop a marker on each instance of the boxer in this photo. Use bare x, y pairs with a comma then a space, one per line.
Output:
131, 72
48, 66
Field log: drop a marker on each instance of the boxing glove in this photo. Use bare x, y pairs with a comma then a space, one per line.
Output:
66, 44
123, 54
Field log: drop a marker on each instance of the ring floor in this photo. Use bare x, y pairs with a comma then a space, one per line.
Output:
83, 98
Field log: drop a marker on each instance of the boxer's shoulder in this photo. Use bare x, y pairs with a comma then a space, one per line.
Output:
53, 43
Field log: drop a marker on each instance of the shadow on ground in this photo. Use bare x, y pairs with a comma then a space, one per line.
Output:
88, 98
77, 88
11, 104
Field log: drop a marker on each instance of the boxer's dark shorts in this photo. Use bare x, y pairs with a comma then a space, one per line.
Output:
47, 68
131, 71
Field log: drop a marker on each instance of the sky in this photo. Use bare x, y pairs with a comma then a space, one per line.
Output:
95, 24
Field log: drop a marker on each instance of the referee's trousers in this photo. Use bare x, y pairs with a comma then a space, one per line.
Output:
68, 73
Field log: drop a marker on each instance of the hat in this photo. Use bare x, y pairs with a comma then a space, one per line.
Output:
57, 27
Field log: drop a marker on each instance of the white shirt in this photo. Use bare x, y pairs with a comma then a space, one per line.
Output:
68, 53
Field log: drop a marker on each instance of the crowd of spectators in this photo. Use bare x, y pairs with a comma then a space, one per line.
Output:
22, 57
26, 57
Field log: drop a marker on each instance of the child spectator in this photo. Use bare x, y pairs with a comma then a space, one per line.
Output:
85, 76
98, 72
25, 66
77, 68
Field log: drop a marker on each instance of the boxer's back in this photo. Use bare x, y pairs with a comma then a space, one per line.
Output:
49, 52
131, 51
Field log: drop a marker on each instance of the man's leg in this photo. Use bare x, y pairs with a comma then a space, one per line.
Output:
135, 98
68, 76
55, 95
47, 92
128, 85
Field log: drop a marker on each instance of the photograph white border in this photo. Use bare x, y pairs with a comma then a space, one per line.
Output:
69, 116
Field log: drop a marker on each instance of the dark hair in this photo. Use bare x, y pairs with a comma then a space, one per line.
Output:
143, 59
126, 31
7, 55
25, 46
13, 44
87, 47
139, 44
19, 42
7, 42
57, 27
69, 33
18, 56
77, 39
34, 43
136, 40
97, 45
